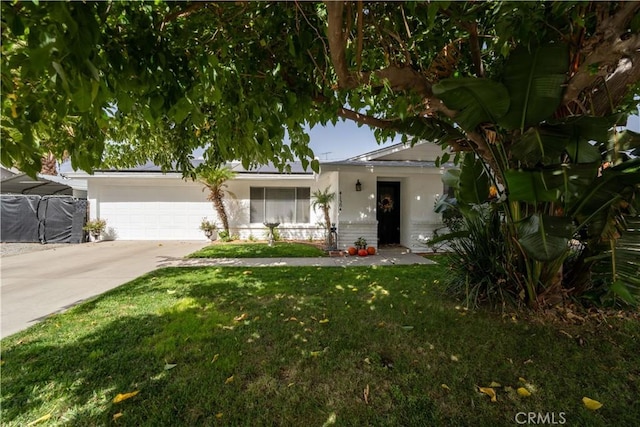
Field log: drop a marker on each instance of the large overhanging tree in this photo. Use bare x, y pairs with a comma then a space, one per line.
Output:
531, 92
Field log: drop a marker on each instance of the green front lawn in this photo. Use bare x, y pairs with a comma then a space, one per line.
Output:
259, 250
310, 346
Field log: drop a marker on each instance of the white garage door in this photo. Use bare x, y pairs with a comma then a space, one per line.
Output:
167, 211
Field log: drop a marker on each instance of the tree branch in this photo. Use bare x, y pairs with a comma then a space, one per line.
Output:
192, 8
475, 48
360, 36
399, 77
612, 43
406, 24
457, 145
337, 46
364, 119
607, 92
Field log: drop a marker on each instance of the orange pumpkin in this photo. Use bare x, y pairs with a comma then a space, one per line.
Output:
371, 250
352, 251
363, 252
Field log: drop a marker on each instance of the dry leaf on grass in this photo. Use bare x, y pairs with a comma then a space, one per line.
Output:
240, 318
124, 396
489, 392
523, 392
39, 420
591, 404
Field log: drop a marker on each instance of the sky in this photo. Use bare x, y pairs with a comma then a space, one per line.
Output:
346, 139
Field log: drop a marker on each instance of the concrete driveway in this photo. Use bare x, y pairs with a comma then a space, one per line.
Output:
37, 284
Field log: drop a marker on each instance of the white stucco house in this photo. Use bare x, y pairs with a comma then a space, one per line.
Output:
386, 196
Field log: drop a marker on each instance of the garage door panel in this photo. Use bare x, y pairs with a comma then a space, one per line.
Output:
165, 213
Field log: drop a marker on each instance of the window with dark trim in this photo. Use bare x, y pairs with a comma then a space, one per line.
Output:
280, 204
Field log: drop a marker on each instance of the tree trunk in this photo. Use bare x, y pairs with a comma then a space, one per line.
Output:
327, 220
217, 199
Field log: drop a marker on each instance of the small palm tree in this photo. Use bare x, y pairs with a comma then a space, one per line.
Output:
323, 200
215, 181
49, 164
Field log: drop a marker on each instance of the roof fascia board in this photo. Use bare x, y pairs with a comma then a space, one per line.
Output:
274, 176
372, 155
174, 175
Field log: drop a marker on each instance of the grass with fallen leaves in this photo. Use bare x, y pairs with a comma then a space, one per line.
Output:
312, 346
259, 250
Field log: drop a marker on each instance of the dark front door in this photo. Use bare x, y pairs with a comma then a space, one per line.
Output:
388, 213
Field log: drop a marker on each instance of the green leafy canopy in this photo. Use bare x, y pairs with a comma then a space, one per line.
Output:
121, 83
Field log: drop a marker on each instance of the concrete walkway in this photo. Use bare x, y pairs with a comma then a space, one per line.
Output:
386, 256
37, 284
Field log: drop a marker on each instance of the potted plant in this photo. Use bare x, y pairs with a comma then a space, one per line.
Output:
361, 246
95, 227
209, 229
361, 243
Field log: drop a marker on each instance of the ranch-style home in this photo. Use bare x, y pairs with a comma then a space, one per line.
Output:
386, 196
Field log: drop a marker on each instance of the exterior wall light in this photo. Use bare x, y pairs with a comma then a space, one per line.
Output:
358, 186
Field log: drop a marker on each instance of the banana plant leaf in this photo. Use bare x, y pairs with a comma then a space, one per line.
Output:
589, 128
583, 138
564, 183
623, 291
473, 184
619, 184
557, 226
582, 151
477, 100
539, 145
572, 180
534, 79
543, 237
624, 260
530, 187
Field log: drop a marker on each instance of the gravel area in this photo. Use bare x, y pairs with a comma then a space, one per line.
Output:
10, 249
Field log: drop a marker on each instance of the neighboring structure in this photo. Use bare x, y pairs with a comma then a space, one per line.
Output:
398, 187
7, 172
43, 185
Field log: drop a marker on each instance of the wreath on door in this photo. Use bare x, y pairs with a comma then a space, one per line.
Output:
386, 203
